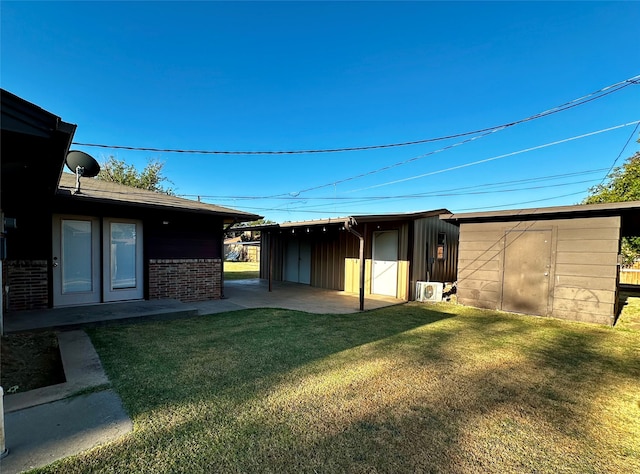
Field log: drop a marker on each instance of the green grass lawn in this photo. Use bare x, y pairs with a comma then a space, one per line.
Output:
410, 388
241, 270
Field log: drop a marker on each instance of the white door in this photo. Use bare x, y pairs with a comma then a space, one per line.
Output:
76, 260
384, 278
86, 272
122, 260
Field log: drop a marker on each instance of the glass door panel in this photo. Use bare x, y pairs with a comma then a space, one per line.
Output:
123, 256
122, 267
76, 260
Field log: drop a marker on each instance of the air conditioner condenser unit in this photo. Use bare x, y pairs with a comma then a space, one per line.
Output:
429, 291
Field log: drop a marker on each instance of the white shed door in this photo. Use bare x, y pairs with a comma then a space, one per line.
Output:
384, 279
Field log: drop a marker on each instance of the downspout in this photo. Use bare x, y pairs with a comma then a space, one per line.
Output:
348, 225
224, 231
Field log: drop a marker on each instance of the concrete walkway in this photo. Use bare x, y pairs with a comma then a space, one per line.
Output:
50, 423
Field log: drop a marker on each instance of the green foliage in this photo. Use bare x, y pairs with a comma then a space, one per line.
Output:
240, 229
623, 185
257, 222
630, 250
117, 171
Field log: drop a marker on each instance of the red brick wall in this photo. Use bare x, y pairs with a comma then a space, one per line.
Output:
187, 280
28, 284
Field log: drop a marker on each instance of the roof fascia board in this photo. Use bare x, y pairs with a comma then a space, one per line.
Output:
545, 212
21, 116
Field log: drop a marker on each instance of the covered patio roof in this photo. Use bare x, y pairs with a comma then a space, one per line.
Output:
358, 219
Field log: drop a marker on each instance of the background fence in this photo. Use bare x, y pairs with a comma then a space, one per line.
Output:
630, 275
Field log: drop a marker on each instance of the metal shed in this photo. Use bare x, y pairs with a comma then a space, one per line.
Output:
556, 261
393, 250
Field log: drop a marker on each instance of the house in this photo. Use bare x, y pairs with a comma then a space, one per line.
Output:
394, 250
238, 250
99, 242
561, 262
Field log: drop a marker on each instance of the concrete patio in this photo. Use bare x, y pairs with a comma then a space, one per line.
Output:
238, 294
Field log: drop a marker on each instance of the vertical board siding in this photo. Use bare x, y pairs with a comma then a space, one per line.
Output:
334, 254
403, 290
584, 266
267, 239
425, 240
329, 249
352, 276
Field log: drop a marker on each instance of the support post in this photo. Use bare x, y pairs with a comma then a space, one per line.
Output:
349, 224
270, 236
3, 448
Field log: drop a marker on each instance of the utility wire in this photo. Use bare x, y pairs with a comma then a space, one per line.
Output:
620, 154
442, 192
568, 105
486, 160
448, 194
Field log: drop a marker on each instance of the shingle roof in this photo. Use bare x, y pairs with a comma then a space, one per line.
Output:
106, 192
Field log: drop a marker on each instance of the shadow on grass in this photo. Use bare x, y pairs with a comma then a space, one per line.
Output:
400, 389
183, 360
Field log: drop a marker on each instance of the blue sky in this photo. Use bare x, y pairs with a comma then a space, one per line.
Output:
290, 76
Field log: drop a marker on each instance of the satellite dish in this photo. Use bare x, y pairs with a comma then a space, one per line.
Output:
89, 166
82, 165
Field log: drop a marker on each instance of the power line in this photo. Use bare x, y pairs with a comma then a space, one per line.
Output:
486, 160
560, 108
442, 192
415, 196
620, 154
511, 205
449, 194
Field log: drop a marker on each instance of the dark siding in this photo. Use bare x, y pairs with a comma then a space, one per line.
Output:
329, 251
425, 243
182, 237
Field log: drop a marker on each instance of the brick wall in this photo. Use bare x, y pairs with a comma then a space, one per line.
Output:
185, 279
28, 284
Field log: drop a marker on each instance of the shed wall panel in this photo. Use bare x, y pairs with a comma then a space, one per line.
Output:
578, 258
476, 264
584, 282
583, 270
583, 294
587, 246
566, 269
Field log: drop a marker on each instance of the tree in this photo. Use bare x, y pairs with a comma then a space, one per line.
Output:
623, 185
117, 171
241, 229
